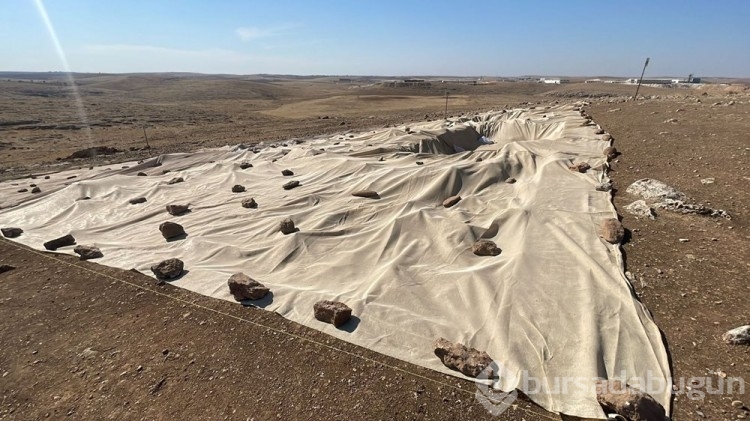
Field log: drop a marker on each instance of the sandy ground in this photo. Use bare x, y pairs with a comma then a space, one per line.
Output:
88, 341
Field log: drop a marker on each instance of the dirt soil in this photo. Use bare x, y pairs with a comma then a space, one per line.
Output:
92, 342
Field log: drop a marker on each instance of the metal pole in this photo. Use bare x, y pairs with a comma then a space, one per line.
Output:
146, 137
641, 79
445, 114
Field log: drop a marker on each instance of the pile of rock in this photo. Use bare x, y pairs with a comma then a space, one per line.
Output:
656, 194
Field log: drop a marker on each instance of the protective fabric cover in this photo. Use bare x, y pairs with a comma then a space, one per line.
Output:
555, 302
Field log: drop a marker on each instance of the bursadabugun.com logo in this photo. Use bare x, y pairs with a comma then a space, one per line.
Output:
489, 392
496, 386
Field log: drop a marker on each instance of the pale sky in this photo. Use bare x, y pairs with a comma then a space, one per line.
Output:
478, 38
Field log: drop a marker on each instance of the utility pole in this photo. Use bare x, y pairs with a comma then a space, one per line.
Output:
641, 79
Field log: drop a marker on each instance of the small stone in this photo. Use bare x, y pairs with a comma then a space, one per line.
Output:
243, 287
22, 190
333, 312
287, 226
245, 165
737, 336
456, 356
36, 190
615, 396
66, 240
6, 268
137, 200
367, 193
485, 248
737, 404
581, 167
88, 252
683, 240
238, 188
249, 203
168, 269
141, 174
510, 180
287, 173
176, 180
612, 230
46, 177
451, 201
611, 153
420, 163
176, 210
603, 187
171, 230
83, 198
11, 232
381, 159
709, 180
290, 185
479, 159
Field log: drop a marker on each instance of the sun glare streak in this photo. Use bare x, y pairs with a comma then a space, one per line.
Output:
66, 68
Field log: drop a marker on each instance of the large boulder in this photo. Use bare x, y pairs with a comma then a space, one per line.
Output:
237, 188
485, 248
581, 167
611, 153
249, 203
11, 232
290, 185
456, 356
177, 209
6, 268
738, 336
168, 269
333, 312
612, 231
614, 396
243, 287
287, 226
171, 230
451, 201
366, 193
65, 240
287, 173
88, 252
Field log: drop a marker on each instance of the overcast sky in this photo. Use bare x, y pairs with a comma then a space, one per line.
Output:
477, 38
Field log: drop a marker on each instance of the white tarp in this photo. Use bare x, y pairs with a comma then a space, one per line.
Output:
555, 302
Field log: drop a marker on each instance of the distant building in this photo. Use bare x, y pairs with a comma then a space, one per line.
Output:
690, 79
553, 81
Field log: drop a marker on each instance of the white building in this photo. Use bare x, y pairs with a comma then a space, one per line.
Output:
553, 81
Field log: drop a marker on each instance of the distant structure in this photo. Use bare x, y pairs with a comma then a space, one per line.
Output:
553, 81
406, 82
690, 79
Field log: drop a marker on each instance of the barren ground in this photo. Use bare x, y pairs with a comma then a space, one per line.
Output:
93, 342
